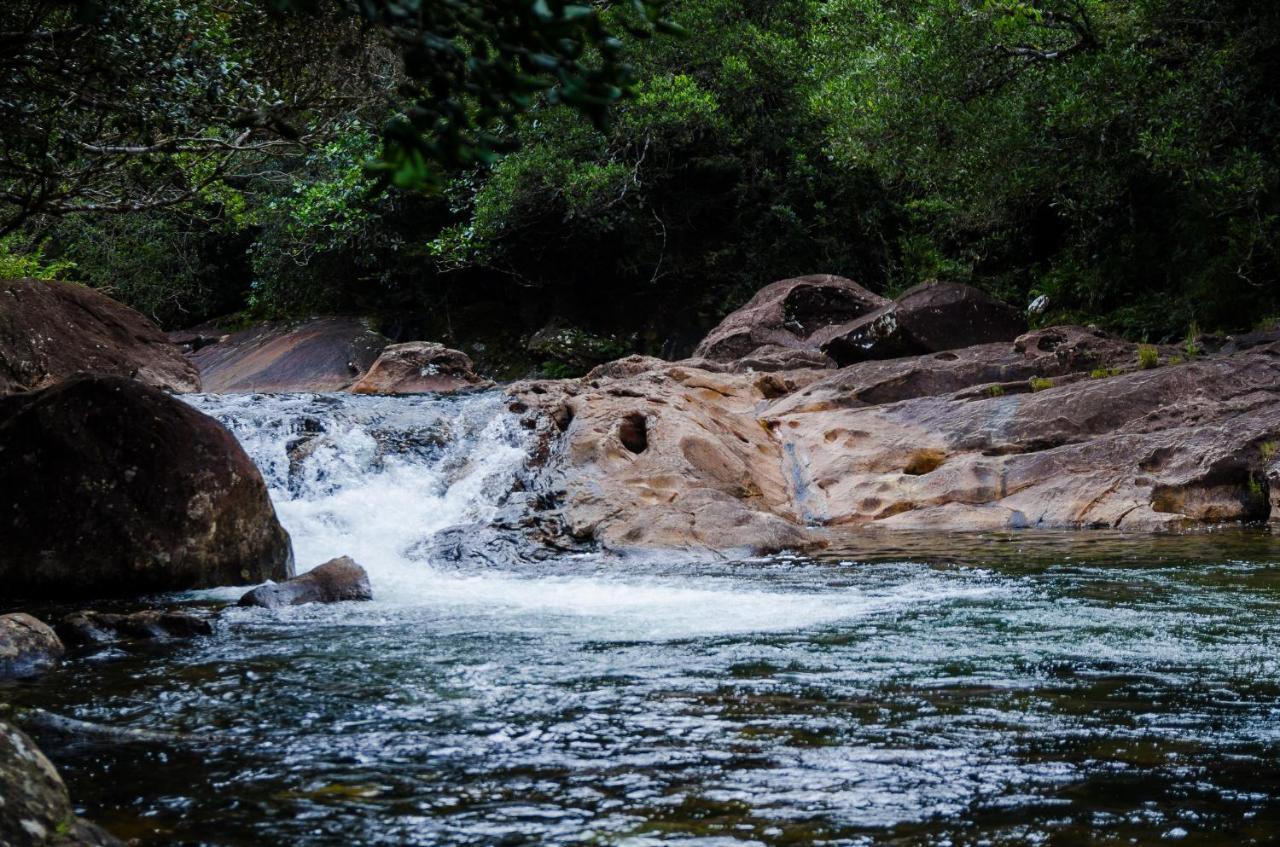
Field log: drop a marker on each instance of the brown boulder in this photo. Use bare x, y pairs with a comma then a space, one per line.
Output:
35, 810
928, 318
108, 486
786, 313
27, 647
419, 367
50, 331
321, 354
333, 582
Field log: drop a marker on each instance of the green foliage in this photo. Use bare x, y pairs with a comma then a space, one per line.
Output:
473, 66
1190, 345
1255, 487
170, 267
995, 391
1119, 157
19, 260
1040, 383
1268, 450
1104, 373
1148, 356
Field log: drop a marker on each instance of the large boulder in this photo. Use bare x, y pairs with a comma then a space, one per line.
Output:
786, 313
35, 810
333, 582
28, 647
50, 331
109, 486
928, 318
321, 354
420, 367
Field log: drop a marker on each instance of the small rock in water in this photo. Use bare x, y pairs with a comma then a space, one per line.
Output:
88, 628
28, 647
334, 581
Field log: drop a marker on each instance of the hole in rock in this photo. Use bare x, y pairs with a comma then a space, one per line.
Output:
633, 432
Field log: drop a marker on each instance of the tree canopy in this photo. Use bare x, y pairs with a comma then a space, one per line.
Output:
480, 169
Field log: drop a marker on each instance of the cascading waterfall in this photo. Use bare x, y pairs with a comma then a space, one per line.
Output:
382, 478
375, 477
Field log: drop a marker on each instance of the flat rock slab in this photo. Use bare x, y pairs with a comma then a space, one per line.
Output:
1059, 428
322, 354
333, 582
51, 331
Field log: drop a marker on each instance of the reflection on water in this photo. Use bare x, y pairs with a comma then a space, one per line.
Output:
905, 690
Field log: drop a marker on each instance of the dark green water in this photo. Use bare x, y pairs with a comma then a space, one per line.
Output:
911, 691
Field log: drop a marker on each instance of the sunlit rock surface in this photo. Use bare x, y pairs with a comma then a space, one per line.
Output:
1060, 428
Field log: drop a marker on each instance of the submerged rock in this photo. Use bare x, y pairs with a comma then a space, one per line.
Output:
321, 354
51, 331
35, 810
28, 647
94, 628
110, 487
420, 367
333, 582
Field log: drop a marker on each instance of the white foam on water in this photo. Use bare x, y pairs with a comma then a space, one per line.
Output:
375, 478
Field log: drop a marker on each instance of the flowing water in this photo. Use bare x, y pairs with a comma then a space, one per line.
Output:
907, 690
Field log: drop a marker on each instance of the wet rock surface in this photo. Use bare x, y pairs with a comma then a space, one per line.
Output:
1059, 428
333, 582
28, 647
91, 629
110, 487
321, 354
51, 331
420, 367
35, 809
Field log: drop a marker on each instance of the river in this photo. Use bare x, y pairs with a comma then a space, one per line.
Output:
1020, 688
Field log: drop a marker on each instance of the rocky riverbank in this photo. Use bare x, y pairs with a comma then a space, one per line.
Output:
773, 448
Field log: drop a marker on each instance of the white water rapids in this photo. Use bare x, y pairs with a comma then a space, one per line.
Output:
379, 478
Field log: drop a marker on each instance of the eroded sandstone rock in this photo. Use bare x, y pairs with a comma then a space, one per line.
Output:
28, 647
333, 582
419, 367
111, 487
51, 331
1058, 429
